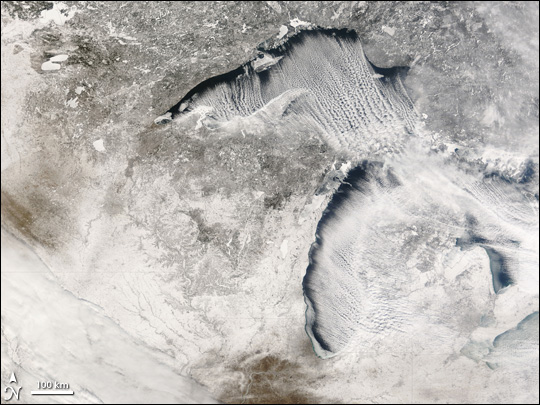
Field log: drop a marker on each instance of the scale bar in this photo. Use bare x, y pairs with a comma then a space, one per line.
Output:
52, 392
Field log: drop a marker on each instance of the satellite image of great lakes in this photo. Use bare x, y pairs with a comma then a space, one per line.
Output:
270, 202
